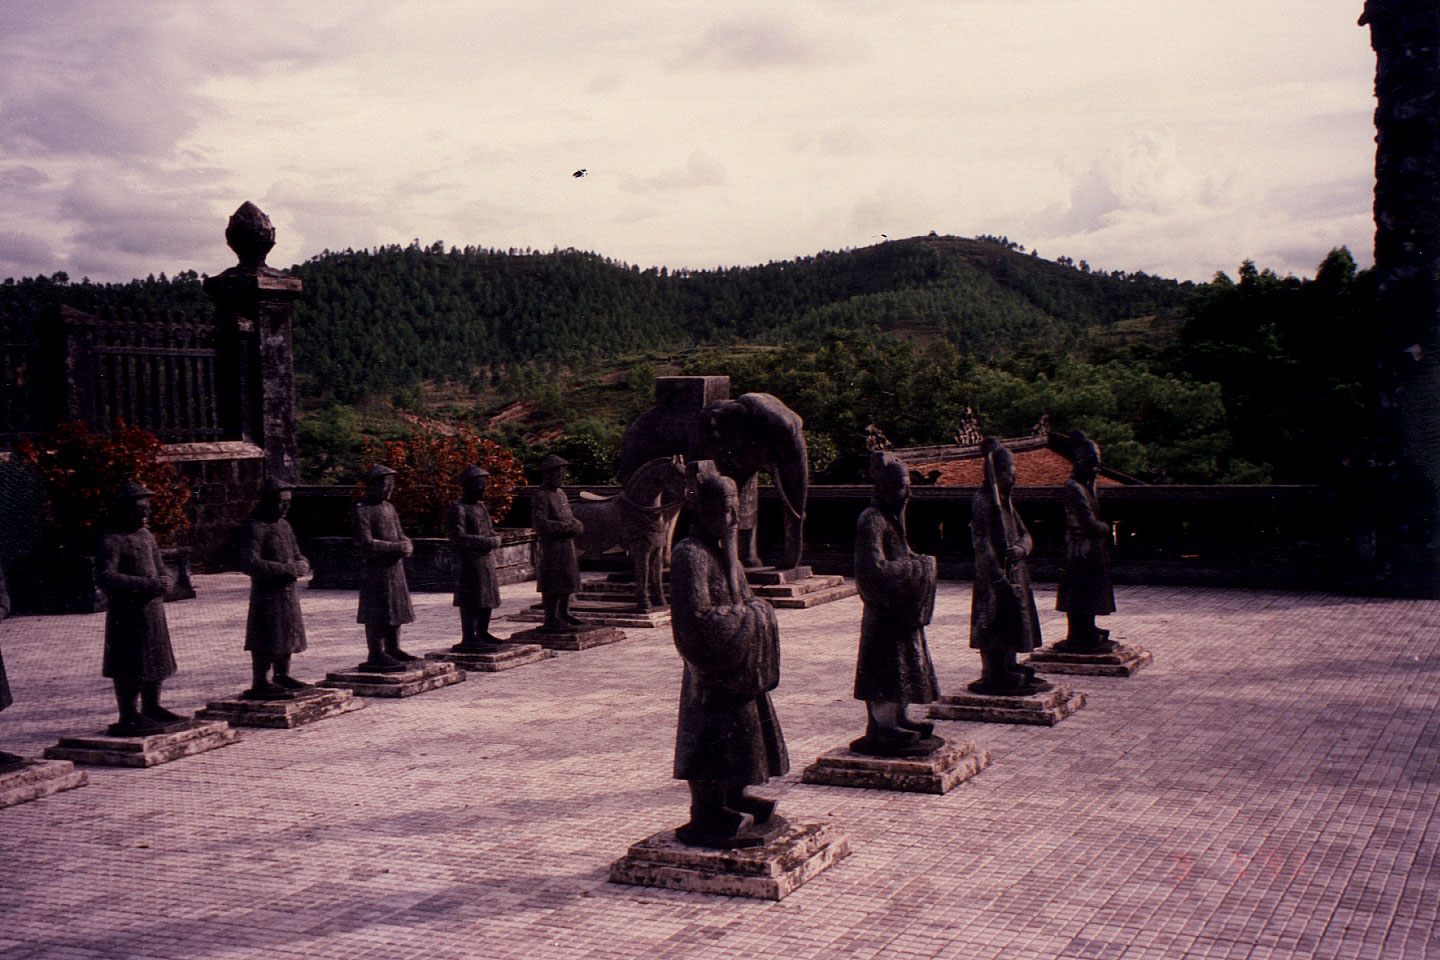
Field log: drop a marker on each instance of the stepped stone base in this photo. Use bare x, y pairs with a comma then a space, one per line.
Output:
1046, 708
501, 656
602, 612
309, 707
197, 736
954, 762
423, 675
1123, 661
768, 872
570, 638
34, 779
795, 588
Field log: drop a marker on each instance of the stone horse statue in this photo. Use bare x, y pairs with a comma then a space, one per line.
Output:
638, 518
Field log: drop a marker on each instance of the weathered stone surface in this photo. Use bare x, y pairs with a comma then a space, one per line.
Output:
574, 638
1123, 661
198, 737
504, 656
423, 675
311, 706
603, 613
39, 778
1042, 709
797, 588
769, 872
951, 764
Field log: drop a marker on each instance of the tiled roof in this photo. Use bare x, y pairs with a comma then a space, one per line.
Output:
1033, 468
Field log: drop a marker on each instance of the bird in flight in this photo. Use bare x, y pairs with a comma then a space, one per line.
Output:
579, 173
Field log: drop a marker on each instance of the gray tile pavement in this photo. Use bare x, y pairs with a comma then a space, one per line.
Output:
1266, 789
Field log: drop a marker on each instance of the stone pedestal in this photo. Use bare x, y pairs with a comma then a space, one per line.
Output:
797, 588
954, 762
308, 707
1123, 661
602, 610
422, 675
197, 736
768, 872
34, 779
570, 638
1046, 708
500, 656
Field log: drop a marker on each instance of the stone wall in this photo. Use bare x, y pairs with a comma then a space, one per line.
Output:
225, 483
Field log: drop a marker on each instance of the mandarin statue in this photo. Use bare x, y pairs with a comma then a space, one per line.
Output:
893, 668
557, 569
728, 737
1003, 619
1085, 590
384, 593
473, 541
274, 630
138, 656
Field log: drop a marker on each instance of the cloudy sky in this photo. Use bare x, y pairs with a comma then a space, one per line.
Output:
1177, 137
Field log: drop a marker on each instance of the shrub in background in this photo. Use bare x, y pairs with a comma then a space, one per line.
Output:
427, 467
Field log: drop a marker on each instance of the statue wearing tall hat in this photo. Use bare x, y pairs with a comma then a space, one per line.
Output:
728, 737
1085, 590
557, 572
893, 668
138, 656
384, 593
1003, 619
473, 541
274, 630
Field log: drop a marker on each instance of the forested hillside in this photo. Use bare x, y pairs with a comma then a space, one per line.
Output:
376, 320
1253, 379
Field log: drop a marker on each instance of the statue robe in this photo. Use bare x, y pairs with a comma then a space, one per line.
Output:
274, 626
134, 578
1002, 606
384, 593
730, 643
1085, 585
557, 569
898, 588
472, 540
5, 698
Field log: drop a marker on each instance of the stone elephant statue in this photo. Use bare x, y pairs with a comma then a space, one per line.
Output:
752, 432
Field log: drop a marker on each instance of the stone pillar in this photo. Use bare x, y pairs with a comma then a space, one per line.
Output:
253, 305
1405, 35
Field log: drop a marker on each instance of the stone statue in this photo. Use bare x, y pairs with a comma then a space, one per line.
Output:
1085, 590
7, 760
473, 540
898, 589
1003, 620
728, 736
384, 594
557, 572
274, 630
138, 656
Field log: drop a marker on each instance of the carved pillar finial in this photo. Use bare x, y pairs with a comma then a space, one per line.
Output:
251, 235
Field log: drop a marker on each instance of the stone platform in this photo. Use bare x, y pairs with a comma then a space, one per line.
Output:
574, 638
197, 736
309, 706
768, 872
1045, 708
602, 611
500, 656
797, 588
34, 779
1123, 661
954, 762
423, 675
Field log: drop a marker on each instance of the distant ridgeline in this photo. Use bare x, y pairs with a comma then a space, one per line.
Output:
379, 319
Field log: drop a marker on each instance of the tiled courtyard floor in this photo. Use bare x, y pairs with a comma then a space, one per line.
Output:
1267, 788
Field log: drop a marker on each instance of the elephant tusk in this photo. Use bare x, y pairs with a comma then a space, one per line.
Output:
784, 498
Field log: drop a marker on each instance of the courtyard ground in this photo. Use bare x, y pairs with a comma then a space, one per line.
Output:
1267, 788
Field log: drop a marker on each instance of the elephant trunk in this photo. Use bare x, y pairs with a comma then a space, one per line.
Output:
792, 481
